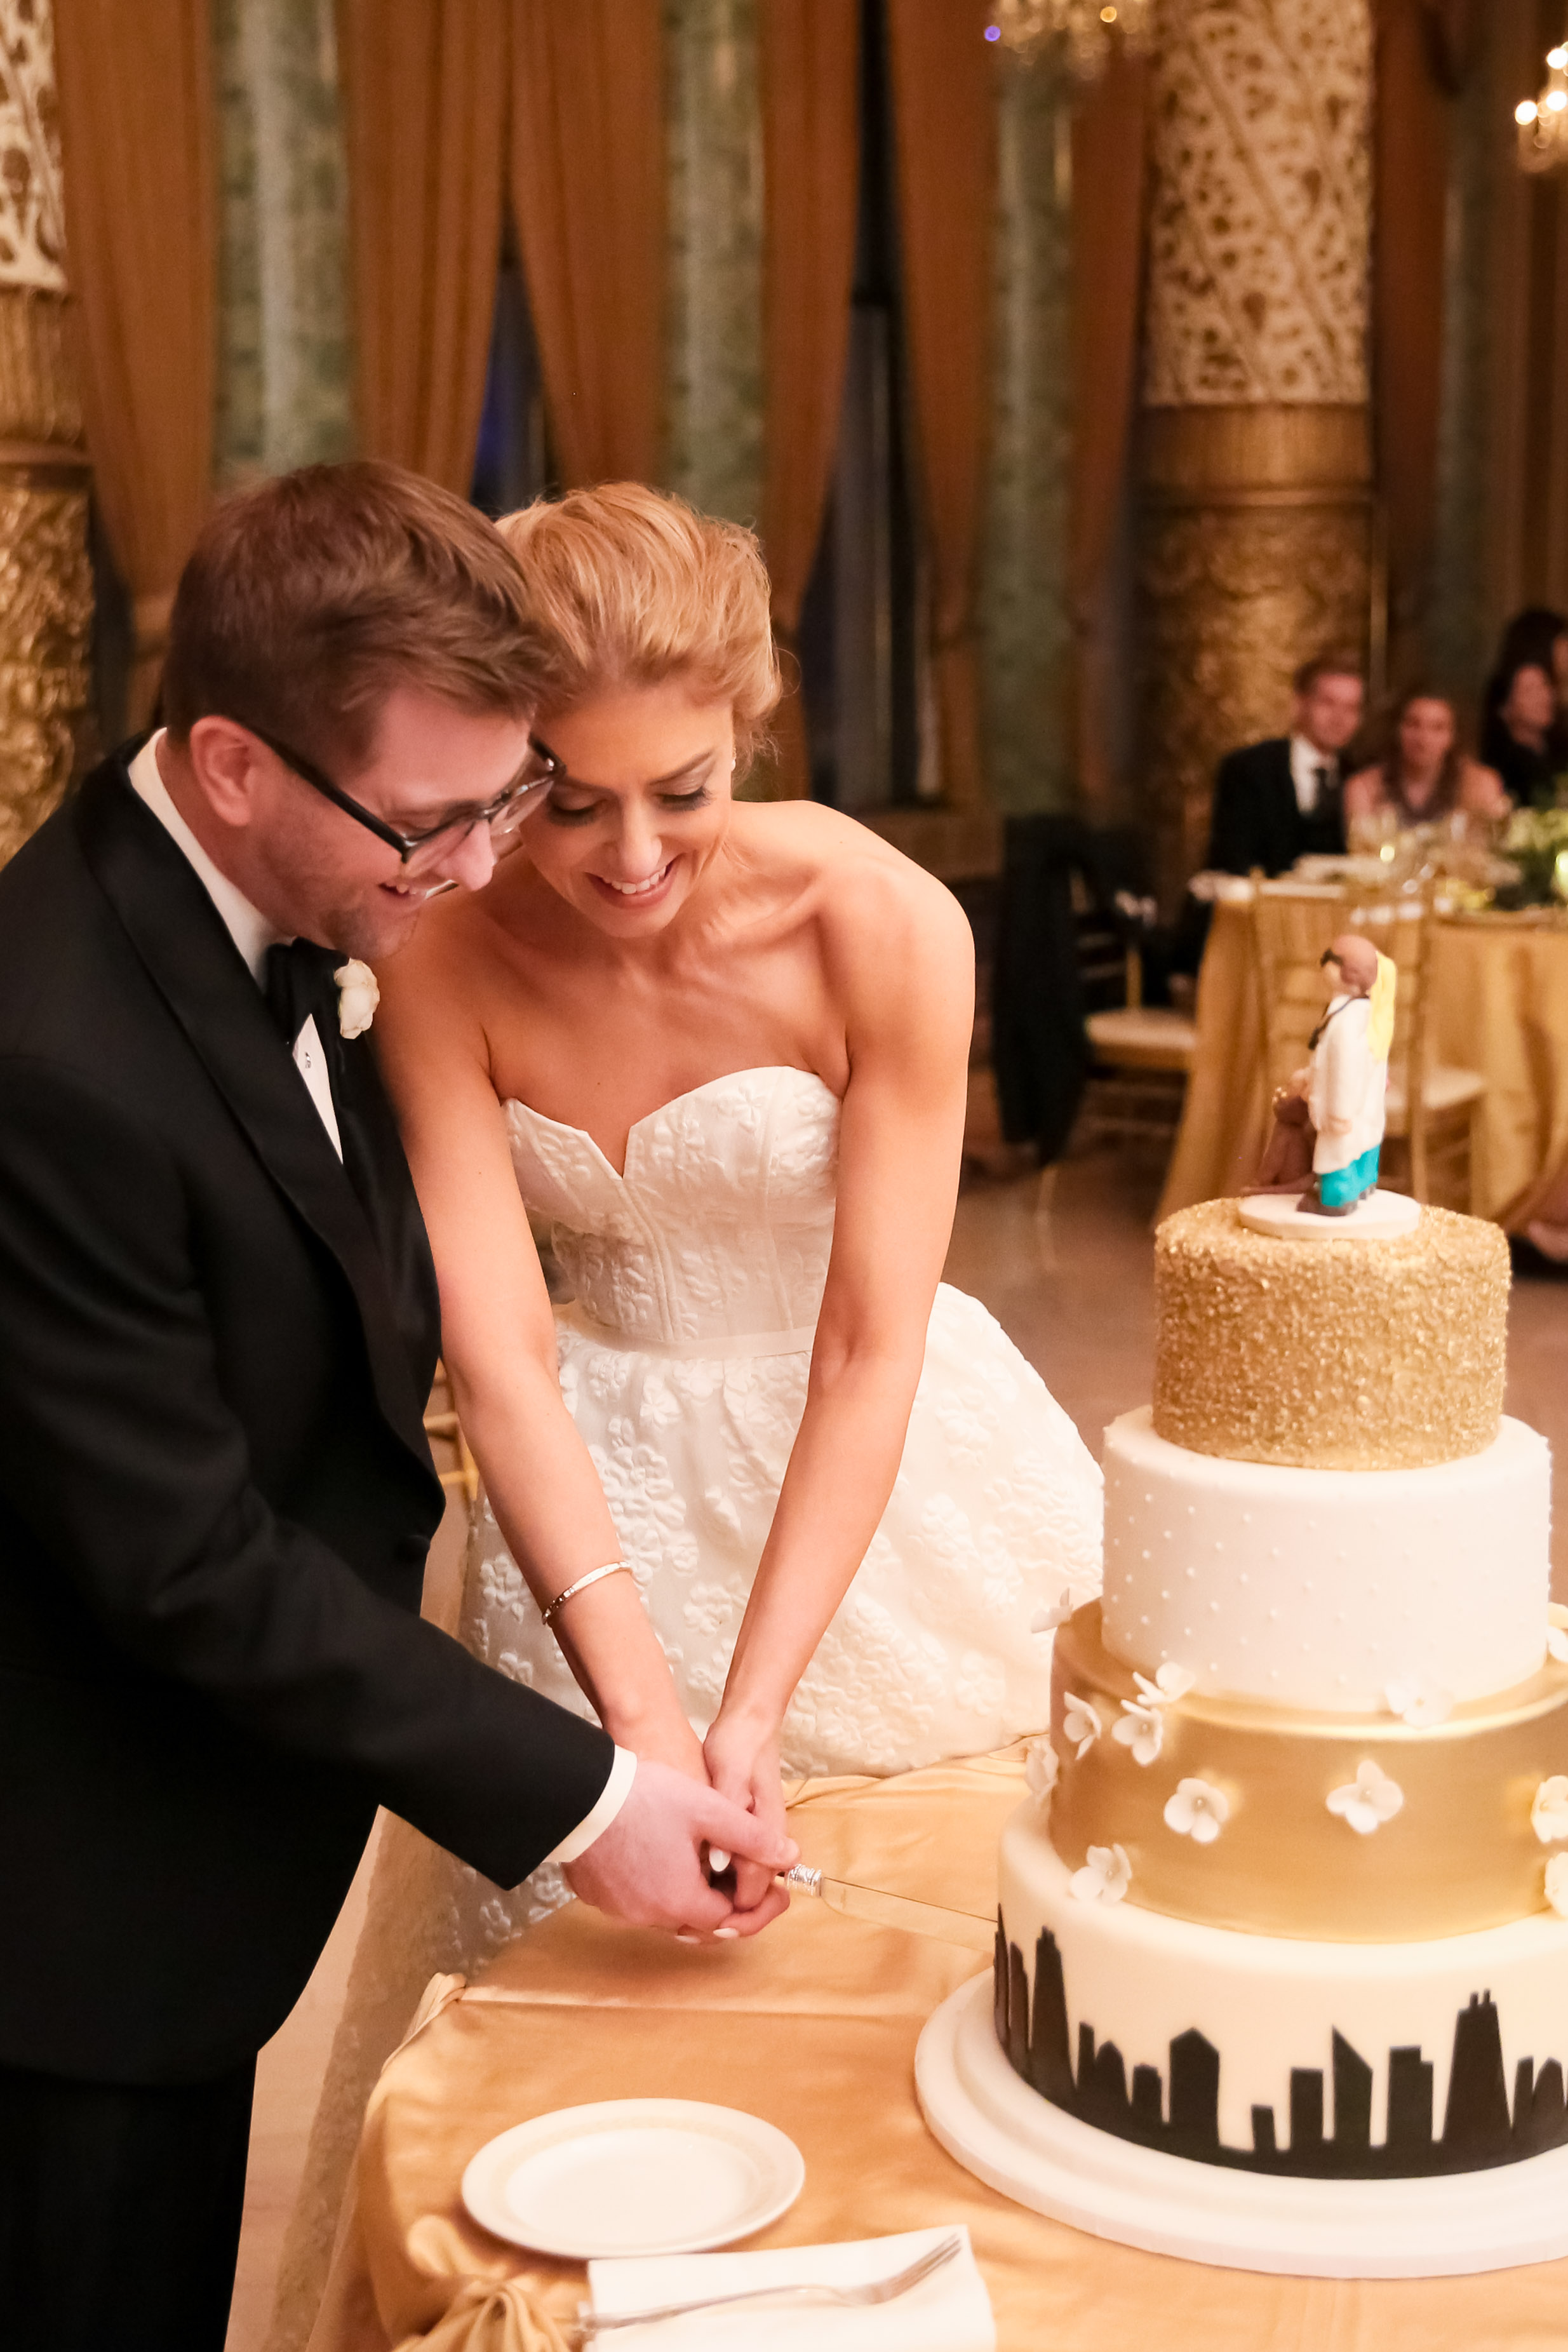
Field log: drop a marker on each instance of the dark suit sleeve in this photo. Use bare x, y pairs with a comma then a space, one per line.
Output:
1233, 828
117, 1449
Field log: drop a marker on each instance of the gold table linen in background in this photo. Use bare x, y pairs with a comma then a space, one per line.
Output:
1498, 1006
813, 2026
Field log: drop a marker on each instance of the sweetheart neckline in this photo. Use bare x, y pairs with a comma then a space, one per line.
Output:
562, 1127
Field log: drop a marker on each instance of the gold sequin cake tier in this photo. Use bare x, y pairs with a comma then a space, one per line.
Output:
1284, 1822
1329, 1355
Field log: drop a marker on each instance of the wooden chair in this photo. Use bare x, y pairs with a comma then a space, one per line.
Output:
1140, 1055
1432, 1135
455, 1467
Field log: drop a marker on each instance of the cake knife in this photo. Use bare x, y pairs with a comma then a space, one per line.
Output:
882, 1910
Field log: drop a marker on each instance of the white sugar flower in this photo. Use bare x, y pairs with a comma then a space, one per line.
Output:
1141, 1728
1198, 1811
1548, 1813
1557, 1631
1414, 1703
1369, 1801
358, 997
1041, 1766
1171, 1682
1055, 1612
1105, 1876
1081, 1725
1557, 1884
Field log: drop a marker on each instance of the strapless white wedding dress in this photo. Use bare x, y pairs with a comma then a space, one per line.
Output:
697, 1276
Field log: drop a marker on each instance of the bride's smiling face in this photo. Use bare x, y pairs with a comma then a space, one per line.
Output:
641, 807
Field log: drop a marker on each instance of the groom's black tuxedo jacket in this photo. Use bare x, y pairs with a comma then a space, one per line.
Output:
215, 1496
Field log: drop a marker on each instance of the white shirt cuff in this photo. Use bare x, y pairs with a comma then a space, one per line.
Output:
613, 1796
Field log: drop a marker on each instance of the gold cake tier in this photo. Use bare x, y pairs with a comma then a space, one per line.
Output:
1465, 1846
1329, 1355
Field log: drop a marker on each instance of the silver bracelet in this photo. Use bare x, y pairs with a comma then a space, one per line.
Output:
594, 1576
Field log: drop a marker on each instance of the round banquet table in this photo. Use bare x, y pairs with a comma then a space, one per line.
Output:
1499, 1004
813, 2026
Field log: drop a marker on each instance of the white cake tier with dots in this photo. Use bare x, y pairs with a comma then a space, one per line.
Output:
1326, 1588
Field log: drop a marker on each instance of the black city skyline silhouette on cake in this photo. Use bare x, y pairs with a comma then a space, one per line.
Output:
1480, 2129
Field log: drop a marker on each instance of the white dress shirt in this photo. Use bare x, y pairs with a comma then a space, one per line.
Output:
253, 935
1308, 767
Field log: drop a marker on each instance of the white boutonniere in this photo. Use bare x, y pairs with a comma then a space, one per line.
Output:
358, 997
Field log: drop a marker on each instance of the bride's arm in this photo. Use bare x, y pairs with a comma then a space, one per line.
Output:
899, 964
498, 1343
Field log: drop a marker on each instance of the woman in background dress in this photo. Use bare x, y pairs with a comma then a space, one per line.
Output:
1425, 775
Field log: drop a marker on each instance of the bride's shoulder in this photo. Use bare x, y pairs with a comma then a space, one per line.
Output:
869, 898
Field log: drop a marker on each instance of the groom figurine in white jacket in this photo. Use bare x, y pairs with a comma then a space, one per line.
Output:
220, 1323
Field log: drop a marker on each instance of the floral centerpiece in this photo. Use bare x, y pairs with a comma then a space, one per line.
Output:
1537, 842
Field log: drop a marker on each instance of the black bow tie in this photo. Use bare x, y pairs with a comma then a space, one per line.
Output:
300, 985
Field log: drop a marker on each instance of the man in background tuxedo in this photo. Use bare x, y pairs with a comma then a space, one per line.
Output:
1280, 800
219, 1322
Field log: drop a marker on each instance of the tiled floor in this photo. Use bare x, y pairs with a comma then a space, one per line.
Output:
1065, 1265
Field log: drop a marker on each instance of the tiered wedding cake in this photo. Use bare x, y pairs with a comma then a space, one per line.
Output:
1284, 1900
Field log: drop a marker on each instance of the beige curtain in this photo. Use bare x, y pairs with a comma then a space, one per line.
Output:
1108, 143
945, 108
137, 126
425, 94
588, 190
811, 148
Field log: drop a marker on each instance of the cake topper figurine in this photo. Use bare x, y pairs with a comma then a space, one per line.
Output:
1349, 1082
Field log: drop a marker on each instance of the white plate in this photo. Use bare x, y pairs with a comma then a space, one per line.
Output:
634, 2177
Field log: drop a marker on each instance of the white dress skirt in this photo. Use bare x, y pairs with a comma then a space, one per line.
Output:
697, 1276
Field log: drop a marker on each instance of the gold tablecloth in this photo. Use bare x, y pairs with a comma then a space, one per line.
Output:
815, 2026
1498, 1006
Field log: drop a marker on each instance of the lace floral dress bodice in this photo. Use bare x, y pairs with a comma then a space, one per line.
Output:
716, 1236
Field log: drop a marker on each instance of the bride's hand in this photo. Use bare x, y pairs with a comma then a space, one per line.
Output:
670, 1742
742, 1765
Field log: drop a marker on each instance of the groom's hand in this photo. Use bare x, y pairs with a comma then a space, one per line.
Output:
647, 1866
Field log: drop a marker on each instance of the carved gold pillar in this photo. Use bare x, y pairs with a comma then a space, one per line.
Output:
1257, 471
46, 581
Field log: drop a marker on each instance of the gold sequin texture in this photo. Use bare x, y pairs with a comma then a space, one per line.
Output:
1329, 1355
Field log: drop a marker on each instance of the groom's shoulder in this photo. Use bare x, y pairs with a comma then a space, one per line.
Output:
64, 957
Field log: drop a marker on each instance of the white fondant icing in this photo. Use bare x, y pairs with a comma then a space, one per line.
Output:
1269, 2003
1311, 1598
1376, 1217
1105, 1877
1557, 1884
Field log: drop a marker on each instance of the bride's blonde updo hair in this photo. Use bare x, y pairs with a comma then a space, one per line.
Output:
630, 586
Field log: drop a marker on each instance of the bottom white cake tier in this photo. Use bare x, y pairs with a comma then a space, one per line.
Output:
1277, 2055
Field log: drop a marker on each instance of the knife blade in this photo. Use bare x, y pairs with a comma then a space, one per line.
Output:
880, 1909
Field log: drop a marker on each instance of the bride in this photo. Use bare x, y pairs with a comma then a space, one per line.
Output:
718, 1053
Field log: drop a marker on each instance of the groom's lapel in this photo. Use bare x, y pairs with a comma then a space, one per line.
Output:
193, 963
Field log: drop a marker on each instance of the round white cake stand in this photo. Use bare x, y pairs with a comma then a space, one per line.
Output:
1376, 1217
1012, 2139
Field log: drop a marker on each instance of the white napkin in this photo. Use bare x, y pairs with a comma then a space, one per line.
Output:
950, 2312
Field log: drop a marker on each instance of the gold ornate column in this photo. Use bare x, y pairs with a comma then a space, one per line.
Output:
46, 580
1257, 466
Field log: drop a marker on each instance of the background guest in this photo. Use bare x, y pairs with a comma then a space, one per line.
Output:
1279, 799
1525, 738
1425, 774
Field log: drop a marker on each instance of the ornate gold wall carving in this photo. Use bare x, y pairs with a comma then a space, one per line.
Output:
1256, 533
46, 578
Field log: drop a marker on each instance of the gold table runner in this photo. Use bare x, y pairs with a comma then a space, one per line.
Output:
1499, 1004
813, 2026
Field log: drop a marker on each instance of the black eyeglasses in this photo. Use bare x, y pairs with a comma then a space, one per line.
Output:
503, 815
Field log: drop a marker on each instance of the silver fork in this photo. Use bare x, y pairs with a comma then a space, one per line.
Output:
885, 2290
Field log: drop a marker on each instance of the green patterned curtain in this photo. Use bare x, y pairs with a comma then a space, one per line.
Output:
284, 352
1024, 618
714, 125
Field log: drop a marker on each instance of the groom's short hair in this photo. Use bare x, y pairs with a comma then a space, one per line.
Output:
308, 598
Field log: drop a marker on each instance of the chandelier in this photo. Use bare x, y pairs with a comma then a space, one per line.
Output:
1080, 31
1544, 121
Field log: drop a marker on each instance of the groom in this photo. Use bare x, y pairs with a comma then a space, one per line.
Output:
217, 1330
